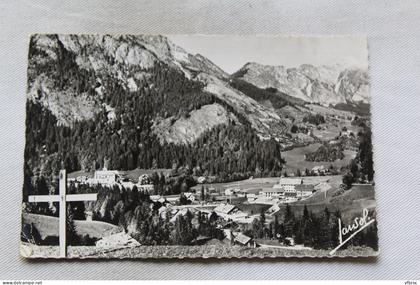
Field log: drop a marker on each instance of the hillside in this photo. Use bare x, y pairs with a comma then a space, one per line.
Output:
140, 102
69, 75
326, 85
47, 226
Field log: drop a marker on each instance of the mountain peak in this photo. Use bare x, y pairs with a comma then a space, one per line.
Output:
326, 84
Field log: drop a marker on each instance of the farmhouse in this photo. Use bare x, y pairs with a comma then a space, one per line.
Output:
239, 238
319, 169
181, 212
229, 212
244, 240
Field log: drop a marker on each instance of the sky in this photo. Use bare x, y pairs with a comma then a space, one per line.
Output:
232, 52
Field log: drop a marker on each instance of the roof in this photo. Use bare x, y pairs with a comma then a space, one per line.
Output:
189, 195
290, 181
273, 190
201, 237
224, 208
273, 209
242, 239
127, 184
118, 239
155, 198
106, 172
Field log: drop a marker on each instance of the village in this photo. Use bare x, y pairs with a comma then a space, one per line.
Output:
236, 207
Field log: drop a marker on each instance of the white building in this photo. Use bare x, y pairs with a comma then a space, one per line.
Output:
145, 187
105, 177
289, 184
272, 192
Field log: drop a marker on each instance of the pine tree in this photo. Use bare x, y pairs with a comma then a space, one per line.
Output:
307, 227
289, 222
71, 234
324, 238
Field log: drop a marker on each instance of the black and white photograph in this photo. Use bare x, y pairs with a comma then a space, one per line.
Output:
198, 146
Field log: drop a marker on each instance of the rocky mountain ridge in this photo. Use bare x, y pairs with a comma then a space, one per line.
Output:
127, 60
326, 85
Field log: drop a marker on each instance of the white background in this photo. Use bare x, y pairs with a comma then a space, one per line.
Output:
393, 29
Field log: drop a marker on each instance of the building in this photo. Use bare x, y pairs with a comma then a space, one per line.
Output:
105, 177
181, 212
272, 210
318, 170
225, 209
144, 184
244, 240
304, 190
272, 192
117, 241
229, 212
190, 196
289, 184
145, 187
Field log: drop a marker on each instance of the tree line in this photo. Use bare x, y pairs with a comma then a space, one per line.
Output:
360, 169
319, 231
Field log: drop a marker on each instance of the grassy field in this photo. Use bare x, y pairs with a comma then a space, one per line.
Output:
350, 203
204, 251
254, 186
48, 226
295, 158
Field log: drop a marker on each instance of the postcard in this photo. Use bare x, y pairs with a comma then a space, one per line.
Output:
198, 146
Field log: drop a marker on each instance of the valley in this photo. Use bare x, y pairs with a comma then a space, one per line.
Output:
184, 158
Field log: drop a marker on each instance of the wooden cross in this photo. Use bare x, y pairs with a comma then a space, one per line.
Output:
62, 198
